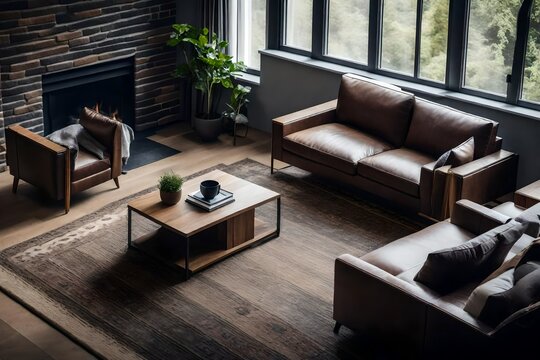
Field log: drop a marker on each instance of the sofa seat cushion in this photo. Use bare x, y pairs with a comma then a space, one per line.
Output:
399, 169
335, 145
88, 164
411, 251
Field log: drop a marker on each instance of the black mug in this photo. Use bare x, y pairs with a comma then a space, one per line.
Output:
209, 189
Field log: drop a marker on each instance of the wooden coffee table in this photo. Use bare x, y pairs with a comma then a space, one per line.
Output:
192, 239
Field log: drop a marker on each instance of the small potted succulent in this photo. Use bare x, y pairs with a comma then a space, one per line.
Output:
170, 188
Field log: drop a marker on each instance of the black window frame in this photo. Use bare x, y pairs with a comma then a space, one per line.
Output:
458, 24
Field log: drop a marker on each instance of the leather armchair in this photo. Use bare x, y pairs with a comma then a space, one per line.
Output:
48, 166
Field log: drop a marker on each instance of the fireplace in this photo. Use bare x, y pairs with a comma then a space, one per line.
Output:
50, 44
108, 86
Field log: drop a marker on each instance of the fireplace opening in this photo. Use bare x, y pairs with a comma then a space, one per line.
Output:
107, 86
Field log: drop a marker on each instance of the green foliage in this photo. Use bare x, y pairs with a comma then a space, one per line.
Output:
170, 182
238, 99
207, 64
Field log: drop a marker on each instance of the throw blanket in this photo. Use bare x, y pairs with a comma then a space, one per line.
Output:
76, 135
67, 137
128, 135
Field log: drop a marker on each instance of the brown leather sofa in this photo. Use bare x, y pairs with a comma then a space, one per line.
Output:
377, 296
386, 141
47, 165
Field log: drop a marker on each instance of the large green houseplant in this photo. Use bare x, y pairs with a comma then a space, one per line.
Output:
209, 68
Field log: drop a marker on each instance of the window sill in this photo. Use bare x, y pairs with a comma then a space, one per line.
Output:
406, 85
248, 78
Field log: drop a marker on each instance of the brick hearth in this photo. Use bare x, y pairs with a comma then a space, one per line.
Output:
44, 36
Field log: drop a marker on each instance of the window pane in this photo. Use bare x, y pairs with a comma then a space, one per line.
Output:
531, 79
253, 36
434, 40
490, 44
298, 18
398, 35
348, 29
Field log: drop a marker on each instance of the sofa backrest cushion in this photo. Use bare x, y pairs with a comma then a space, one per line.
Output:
101, 127
436, 129
382, 110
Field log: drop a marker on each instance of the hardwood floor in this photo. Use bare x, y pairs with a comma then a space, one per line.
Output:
28, 214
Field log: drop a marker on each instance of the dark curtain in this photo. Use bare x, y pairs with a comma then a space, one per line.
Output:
215, 17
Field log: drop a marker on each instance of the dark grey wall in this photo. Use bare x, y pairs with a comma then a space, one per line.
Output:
287, 86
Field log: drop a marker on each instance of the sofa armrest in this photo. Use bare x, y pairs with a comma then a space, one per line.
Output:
38, 161
371, 300
304, 119
476, 218
487, 178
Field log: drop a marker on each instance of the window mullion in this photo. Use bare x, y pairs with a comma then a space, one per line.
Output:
320, 13
374, 41
457, 43
516, 81
274, 23
417, 44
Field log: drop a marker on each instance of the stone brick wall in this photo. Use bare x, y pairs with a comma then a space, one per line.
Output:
42, 36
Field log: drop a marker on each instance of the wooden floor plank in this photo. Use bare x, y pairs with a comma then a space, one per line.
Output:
15, 346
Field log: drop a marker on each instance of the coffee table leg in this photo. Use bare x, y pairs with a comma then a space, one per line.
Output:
187, 259
129, 228
278, 220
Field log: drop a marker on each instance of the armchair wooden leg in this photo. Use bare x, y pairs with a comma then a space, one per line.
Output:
15, 185
337, 327
117, 182
67, 203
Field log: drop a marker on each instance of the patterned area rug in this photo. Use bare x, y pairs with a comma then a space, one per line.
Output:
269, 302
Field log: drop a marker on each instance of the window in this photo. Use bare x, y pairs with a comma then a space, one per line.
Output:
298, 24
248, 31
348, 30
490, 44
531, 76
398, 35
481, 47
434, 40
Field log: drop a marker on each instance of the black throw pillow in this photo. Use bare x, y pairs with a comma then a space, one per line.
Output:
446, 270
461, 154
500, 306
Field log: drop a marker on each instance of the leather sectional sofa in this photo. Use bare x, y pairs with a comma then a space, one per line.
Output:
386, 141
377, 295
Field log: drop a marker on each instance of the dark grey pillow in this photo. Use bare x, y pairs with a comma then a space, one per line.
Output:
461, 154
524, 269
93, 146
446, 270
525, 292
